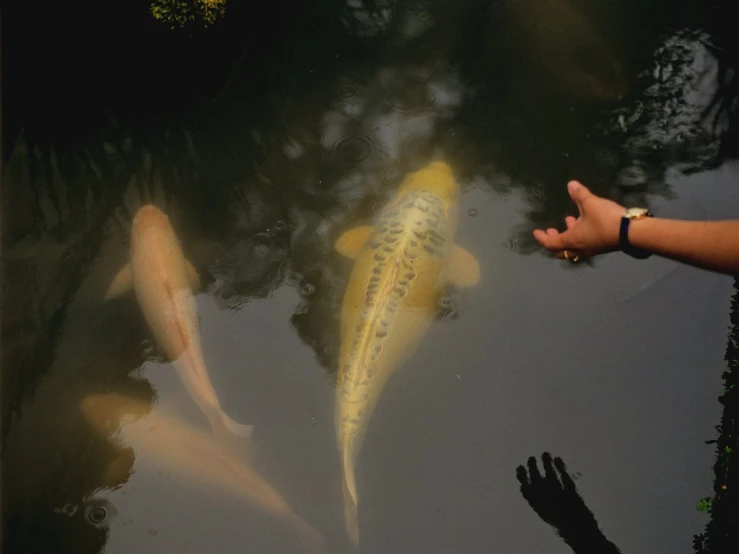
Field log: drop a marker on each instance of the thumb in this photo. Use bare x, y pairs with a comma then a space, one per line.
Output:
579, 193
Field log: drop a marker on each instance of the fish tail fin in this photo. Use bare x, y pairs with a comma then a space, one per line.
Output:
235, 436
350, 502
241, 430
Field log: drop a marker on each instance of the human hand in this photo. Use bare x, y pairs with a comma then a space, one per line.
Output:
594, 231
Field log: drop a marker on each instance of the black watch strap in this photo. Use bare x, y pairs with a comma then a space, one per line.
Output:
626, 247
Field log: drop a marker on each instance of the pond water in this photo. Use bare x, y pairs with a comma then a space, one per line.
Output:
613, 364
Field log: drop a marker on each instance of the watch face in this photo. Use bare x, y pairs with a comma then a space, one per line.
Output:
633, 213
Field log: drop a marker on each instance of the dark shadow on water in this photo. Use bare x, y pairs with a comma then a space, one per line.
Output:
555, 499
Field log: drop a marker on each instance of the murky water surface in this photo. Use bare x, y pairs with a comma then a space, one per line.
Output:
613, 365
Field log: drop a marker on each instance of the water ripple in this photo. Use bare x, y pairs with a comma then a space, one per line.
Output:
354, 148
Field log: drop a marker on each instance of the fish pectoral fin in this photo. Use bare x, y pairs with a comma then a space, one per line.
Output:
350, 244
463, 268
192, 276
122, 283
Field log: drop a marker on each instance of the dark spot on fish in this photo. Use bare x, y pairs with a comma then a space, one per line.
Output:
402, 282
424, 208
374, 244
372, 287
387, 248
379, 257
410, 276
400, 292
437, 242
435, 234
381, 334
378, 348
392, 309
414, 243
396, 231
432, 250
411, 254
374, 279
376, 270
419, 234
390, 239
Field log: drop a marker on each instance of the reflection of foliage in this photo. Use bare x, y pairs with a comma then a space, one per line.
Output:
704, 504
665, 125
180, 13
722, 532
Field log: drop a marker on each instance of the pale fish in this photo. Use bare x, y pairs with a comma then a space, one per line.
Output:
171, 444
163, 281
393, 295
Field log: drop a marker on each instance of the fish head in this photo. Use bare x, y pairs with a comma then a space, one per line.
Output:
436, 178
105, 411
150, 216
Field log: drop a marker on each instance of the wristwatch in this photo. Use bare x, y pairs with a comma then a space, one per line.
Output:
623, 235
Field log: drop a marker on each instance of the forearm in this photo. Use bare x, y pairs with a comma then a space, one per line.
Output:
711, 245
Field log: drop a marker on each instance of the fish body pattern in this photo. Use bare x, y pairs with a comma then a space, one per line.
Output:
401, 266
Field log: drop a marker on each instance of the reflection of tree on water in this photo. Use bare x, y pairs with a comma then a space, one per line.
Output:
621, 149
722, 533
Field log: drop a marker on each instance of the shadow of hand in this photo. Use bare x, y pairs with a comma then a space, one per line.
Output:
555, 499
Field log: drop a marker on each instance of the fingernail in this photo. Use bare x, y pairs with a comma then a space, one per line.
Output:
572, 186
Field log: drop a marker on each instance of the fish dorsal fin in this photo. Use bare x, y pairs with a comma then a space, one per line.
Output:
192, 276
122, 283
350, 244
463, 269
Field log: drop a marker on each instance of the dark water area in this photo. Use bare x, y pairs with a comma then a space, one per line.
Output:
267, 135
